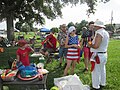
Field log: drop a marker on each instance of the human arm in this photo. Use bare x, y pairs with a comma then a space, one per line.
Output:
98, 40
30, 48
61, 39
48, 40
50, 43
18, 58
66, 43
81, 42
77, 42
58, 38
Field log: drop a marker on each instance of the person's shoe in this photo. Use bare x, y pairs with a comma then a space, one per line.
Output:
101, 87
85, 70
95, 89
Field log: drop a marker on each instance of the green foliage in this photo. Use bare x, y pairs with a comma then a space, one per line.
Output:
79, 26
70, 24
110, 27
25, 27
55, 29
28, 11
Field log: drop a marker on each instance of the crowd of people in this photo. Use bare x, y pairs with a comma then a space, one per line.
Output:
94, 42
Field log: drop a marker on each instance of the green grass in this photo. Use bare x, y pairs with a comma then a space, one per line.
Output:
112, 66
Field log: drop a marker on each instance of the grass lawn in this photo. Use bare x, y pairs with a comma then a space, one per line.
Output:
113, 71
113, 67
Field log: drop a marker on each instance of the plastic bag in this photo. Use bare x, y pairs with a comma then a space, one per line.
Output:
71, 82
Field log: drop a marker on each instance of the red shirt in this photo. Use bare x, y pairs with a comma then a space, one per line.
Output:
53, 41
24, 56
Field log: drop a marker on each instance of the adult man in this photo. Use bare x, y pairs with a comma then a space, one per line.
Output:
87, 36
99, 55
50, 45
61, 40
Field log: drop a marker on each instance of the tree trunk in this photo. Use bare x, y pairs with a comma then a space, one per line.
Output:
10, 27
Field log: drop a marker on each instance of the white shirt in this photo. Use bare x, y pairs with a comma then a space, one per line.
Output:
104, 43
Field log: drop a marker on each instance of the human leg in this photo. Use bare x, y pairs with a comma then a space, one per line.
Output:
73, 66
48, 54
65, 54
42, 51
96, 76
103, 60
103, 75
67, 67
86, 58
61, 56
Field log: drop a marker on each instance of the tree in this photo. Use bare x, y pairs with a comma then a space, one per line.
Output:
28, 10
25, 28
70, 24
55, 29
111, 28
36, 10
19, 24
79, 26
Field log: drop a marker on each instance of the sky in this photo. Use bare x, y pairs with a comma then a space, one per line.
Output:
78, 13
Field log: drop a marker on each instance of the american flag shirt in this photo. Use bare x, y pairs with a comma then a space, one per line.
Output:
73, 53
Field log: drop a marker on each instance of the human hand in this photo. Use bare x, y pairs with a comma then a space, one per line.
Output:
75, 45
89, 44
62, 44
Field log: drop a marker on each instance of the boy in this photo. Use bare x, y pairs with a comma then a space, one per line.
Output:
23, 52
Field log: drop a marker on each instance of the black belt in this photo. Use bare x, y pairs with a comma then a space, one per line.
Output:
101, 52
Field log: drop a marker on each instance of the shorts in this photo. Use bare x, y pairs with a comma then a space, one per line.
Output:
62, 52
86, 51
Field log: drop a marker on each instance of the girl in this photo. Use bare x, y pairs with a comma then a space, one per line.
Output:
73, 54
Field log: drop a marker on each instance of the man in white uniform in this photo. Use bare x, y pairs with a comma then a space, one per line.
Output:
99, 49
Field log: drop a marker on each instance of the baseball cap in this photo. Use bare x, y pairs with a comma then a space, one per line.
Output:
22, 42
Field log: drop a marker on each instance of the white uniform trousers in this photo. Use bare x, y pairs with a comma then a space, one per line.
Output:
99, 72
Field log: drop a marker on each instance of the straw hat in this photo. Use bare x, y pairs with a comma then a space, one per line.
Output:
99, 23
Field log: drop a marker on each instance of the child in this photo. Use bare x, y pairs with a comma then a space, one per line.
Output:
23, 52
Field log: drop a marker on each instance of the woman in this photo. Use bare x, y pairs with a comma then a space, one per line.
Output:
73, 54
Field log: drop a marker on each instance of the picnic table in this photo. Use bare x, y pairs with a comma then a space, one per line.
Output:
41, 83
